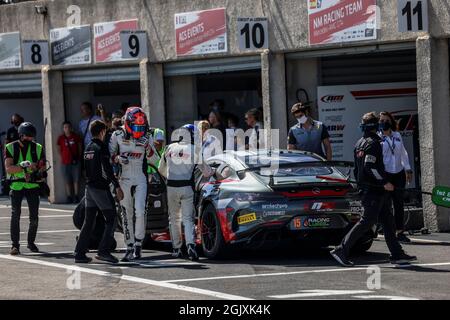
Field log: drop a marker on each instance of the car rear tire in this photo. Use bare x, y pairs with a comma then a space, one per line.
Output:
362, 247
213, 243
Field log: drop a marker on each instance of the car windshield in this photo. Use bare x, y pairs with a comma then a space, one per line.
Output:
280, 165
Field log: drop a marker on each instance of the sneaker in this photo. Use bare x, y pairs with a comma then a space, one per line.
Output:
339, 256
107, 257
33, 247
128, 255
137, 252
402, 238
14, 251
82, 259
192, 253
177, 254
402, 259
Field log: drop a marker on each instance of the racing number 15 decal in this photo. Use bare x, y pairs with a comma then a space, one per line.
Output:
252, 33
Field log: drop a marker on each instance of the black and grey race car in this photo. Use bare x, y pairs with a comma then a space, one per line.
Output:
260, 199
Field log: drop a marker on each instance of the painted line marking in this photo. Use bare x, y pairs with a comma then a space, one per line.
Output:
2, 206
52, 216
210, 293
7, 244
319, 293
46, 231
385, 297
418, 240
306, 272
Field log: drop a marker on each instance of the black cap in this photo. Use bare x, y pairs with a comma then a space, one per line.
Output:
27, 129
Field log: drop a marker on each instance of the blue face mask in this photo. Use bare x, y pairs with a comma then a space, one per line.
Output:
384, 126
368, 127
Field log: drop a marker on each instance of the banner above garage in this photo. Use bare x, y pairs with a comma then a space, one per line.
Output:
71, 46
10, 51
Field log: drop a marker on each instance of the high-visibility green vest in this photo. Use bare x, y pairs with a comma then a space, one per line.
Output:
19, 185
151, 169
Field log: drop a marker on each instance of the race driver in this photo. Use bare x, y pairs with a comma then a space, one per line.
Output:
132, 147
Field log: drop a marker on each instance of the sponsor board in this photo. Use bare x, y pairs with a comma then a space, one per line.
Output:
10, 51
337, 21
71, 46
246, 218
302, 222
107, 44
201, 32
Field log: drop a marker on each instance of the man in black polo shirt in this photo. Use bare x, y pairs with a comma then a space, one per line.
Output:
99, 175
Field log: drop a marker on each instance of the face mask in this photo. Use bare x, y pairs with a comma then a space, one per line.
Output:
302, 119
385, 126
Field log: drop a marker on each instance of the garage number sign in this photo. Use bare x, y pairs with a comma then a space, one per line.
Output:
35, 52
134, 44
253, 33
412, 15
441, 196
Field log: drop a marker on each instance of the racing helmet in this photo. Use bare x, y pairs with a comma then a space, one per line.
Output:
192, 130
27, 129
136, 123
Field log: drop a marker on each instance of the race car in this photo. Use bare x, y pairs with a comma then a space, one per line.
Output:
260, 199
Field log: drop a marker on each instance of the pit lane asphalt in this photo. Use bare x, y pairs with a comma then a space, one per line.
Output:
275, 274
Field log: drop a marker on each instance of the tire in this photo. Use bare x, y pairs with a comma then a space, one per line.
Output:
213, 243
362, 247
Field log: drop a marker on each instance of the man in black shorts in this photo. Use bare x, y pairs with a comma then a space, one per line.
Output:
99, 175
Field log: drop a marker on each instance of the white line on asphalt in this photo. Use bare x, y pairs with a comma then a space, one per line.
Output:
304, 272
2, 206
52, 216
210, 293
46, 231
418, 240
319, 293
7, 244
385, 297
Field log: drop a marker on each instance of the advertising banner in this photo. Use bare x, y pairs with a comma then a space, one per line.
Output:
335, 21
341, 109
10, 51
201, 32
71, 46
108, 47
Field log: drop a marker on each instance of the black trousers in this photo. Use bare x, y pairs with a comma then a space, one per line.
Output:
32, 196
89, 225
399, 181
376, 208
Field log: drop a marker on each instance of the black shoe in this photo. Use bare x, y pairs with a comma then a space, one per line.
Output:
402, 259
192, 253
33, 247
401, 237
177, 254
128, 255
339, 256
76, 200
82, 259
14, 251
107, 257
137, 252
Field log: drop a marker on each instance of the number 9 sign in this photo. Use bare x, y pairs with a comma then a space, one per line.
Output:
134, 44
35, 52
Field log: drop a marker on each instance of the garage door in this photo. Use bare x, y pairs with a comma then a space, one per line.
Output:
20, 83
207, 66
102, 75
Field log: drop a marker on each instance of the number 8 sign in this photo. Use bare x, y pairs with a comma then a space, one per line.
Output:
35, 52
134, 44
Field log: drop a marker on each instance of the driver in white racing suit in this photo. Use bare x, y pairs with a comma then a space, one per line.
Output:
132, 147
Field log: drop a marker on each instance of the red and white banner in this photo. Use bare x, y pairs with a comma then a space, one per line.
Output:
201, 32
334, 21
107, 39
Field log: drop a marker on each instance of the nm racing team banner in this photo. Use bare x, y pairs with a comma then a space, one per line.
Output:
201, 32
108, 47
71, 46
10, 51
335, 21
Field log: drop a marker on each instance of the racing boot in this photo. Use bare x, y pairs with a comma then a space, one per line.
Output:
137, 251
177, 253
128, 255
193, 255
403, 258
339, 256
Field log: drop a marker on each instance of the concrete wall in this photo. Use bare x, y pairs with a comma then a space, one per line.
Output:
287, 18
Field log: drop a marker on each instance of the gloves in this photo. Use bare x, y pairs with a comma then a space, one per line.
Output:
25, 164
122, 160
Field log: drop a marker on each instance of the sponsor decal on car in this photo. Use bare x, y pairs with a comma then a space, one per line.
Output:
246, 218
275, 206
273, 213
316, 222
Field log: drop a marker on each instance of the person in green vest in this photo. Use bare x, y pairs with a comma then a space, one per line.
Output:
159, 138
25, 165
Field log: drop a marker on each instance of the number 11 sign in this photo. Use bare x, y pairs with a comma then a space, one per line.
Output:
412, 15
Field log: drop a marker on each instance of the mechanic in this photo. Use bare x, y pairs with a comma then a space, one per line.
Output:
132, 147
25, 166
177, 166
372, 183
99, 176
308, 134
159, 142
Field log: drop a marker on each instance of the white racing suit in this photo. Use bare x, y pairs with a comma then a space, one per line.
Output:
135, 154
177, 165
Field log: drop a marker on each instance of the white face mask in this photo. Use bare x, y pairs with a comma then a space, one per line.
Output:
302, 119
